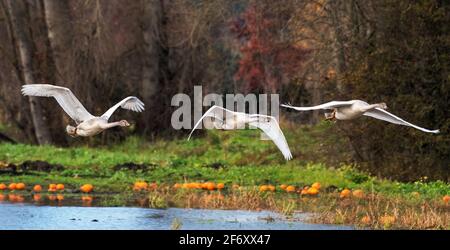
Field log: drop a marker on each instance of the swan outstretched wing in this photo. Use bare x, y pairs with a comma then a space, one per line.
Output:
328, 105
131, 103
215, 111
65, 98
382, 114
270, 127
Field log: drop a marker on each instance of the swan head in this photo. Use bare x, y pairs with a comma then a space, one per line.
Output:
71, 130
382, 105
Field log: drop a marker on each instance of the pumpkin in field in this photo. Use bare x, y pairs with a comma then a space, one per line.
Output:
20, 186
304, 192
60, 187
185, 185
2, 197
52, 187
2, 186
446, 199
358, 193
220, 186
12, 186
37, 188
345, 193
87, 188
313, 191
283, 186
290, 189
140, 185
177, 185
271, 188
51, 197
211, 186
316, 185
153, 186
263, 188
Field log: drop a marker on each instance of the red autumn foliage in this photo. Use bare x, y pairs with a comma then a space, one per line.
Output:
267, 60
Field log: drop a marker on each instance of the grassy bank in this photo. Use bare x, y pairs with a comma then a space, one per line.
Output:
239, 157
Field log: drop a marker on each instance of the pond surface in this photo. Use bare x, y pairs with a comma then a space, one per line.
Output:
15, 216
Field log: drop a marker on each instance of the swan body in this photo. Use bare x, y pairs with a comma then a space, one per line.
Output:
349, 110
228, 120
87, 124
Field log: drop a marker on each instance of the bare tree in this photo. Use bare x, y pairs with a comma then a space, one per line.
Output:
17, 14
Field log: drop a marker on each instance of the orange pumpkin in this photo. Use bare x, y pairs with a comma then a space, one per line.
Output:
52, 187
12, 186
290, 189
220, 186
2, 197
140, 185
316, 185
304, 192
87, 188
313, 191
283, 186
271, 188
2, 186
358, 193
211, 186
345, 193
185, 185
20, 186
37, 188
51, 197
60, 187
446, 199
177, 185
263, 188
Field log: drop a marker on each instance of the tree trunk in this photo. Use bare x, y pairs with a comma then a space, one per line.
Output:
335, 13
60, 35
23, 43
151, 32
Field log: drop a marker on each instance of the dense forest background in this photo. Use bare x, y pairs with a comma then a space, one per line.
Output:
309, 51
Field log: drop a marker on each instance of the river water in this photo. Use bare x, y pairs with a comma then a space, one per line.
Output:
15, 216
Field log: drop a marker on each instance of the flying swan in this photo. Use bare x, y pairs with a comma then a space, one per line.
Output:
348, 110
87, 124
234, 120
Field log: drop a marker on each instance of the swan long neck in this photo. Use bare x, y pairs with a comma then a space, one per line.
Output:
110, 125
381, 105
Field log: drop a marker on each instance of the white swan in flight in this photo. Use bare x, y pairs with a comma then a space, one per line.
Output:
87, 124
348, 110
234, 120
